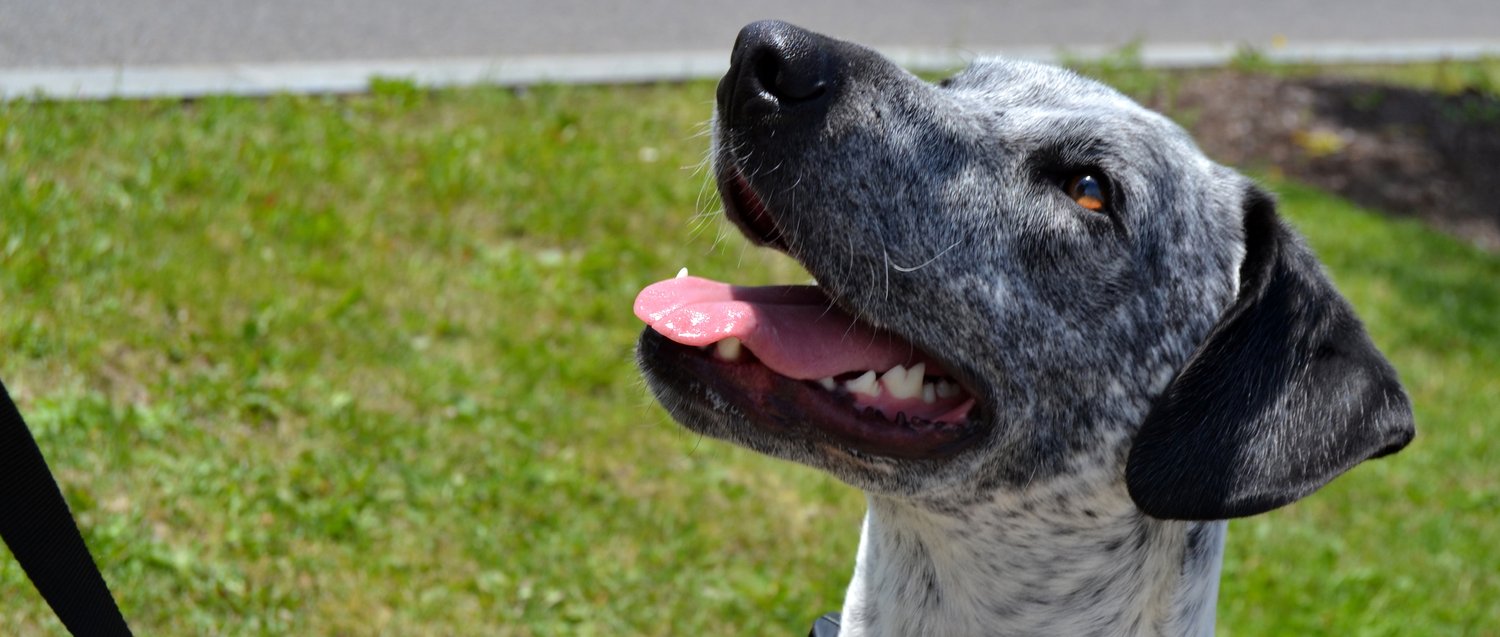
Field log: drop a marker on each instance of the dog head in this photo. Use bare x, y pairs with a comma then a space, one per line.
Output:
1080, 290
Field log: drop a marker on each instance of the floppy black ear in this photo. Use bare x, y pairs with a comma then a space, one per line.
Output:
1286, 393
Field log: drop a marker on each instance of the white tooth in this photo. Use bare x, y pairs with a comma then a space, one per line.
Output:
929, 395
914, 377
946, 389
865, 384
904, 383
728, 349
682, 273
828, 383
894, 381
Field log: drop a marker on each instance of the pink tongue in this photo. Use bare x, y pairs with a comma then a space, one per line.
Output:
794, 330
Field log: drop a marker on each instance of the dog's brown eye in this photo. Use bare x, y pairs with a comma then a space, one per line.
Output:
1087, 191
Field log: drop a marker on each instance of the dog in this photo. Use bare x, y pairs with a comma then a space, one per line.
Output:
1055, 345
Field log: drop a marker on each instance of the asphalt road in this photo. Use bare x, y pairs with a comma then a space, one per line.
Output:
53, 34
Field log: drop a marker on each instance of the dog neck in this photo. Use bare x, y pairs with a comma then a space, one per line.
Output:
1040, 564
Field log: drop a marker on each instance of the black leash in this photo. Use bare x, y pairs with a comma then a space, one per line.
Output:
39, 529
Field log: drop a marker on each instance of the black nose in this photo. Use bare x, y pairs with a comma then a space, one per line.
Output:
776, 68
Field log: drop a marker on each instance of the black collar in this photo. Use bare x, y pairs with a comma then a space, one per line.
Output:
826, 626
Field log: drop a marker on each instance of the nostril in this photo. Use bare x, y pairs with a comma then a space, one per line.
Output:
790, 75
779, 70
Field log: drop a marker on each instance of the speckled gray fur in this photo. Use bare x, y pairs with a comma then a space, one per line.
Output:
929, 210
1046, 312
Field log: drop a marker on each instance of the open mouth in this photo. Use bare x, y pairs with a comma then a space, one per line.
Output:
747, 211
789, 359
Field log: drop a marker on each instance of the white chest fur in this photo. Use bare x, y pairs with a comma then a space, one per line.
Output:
1094, 567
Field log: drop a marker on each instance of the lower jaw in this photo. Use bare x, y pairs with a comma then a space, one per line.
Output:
778, 405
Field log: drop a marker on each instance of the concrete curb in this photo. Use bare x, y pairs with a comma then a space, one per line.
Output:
351, 77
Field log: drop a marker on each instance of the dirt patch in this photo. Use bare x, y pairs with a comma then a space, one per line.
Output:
1400, 150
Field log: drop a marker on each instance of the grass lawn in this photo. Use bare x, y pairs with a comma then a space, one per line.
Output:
359, 366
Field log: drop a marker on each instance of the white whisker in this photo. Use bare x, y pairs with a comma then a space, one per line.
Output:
926, 263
